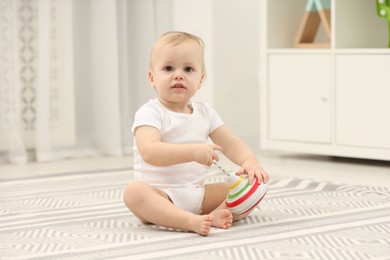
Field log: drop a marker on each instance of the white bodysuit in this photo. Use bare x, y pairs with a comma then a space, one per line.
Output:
183, 183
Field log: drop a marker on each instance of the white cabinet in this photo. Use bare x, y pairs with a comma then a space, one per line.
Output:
299, 90
363, 100
331, 100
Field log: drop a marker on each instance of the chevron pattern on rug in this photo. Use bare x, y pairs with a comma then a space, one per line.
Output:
82, 216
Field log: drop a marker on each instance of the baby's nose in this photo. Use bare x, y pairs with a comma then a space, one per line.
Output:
178, 75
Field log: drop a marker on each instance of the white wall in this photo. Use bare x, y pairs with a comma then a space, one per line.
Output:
236, 66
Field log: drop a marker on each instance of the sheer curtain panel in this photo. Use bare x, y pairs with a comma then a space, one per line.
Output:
65, 86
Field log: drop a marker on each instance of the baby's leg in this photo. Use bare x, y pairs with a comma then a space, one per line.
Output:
214, 204
152, 205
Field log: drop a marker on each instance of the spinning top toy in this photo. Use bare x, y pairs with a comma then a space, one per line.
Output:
243, 197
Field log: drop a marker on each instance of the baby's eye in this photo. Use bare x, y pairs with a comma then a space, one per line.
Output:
168, 68
188, 69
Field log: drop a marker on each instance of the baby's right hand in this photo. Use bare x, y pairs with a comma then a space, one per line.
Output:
205, 153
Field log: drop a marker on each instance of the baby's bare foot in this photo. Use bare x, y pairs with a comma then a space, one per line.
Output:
202, 224
223, 218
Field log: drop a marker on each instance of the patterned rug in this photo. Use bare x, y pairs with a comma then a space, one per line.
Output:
81, 216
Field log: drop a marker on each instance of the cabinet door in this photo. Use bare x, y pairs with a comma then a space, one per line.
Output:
363, 100
299, 91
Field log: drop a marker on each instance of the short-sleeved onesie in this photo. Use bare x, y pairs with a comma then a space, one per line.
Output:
183, 183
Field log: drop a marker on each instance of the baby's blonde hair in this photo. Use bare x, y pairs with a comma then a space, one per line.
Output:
174, 38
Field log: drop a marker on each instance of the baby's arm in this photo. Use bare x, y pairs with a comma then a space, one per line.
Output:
240, 153
158, 153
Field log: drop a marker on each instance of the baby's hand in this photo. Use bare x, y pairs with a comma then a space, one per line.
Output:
205, 153
253, 169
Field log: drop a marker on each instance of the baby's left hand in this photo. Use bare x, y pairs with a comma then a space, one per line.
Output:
253, 169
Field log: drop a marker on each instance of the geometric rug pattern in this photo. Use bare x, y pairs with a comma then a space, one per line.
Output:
81, 215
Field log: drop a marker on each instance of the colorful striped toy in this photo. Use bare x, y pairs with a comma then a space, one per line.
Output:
244, 197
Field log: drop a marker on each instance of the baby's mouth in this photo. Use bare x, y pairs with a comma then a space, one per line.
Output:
178, 85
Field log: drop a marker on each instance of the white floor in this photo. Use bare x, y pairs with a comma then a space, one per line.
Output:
279, 165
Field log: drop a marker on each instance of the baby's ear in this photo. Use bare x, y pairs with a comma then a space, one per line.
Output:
151, 77
202, 80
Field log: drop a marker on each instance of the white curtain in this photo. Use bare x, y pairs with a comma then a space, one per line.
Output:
72, 74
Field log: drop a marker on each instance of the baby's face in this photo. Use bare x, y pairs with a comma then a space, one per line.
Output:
177, 72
